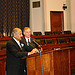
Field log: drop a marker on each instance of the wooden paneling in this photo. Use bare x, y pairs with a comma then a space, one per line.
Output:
2, 62
61, 60
54, 63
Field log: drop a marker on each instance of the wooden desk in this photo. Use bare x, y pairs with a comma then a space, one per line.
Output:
55, 62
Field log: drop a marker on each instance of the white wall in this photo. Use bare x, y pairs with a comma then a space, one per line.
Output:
36, 17
73, 15
40, 17
68, 15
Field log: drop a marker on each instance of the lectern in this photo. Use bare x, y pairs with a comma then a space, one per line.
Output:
55, 62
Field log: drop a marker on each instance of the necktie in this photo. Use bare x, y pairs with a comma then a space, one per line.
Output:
28, 42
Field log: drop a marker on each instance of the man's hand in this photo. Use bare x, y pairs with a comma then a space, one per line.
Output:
33, 51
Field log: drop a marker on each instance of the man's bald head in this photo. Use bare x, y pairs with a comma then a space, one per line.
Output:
17, 33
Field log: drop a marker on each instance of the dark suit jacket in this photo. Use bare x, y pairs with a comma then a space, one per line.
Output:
32, 44
15, 63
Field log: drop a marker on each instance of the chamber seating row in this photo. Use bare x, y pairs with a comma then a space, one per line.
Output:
44, 39
55, 40
51, 33
47, 33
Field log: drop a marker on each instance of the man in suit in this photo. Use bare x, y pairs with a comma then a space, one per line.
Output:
15, 52
28, 40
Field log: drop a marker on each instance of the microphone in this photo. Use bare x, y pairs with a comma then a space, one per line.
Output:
38, 46
36, 43
31, 45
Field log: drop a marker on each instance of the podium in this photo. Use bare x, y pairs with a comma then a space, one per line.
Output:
55, 62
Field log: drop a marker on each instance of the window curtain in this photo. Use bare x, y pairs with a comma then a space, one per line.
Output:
13, 13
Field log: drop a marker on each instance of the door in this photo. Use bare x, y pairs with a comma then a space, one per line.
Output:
57, 21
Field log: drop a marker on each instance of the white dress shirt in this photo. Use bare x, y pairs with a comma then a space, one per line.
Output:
17, 42
27, 40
